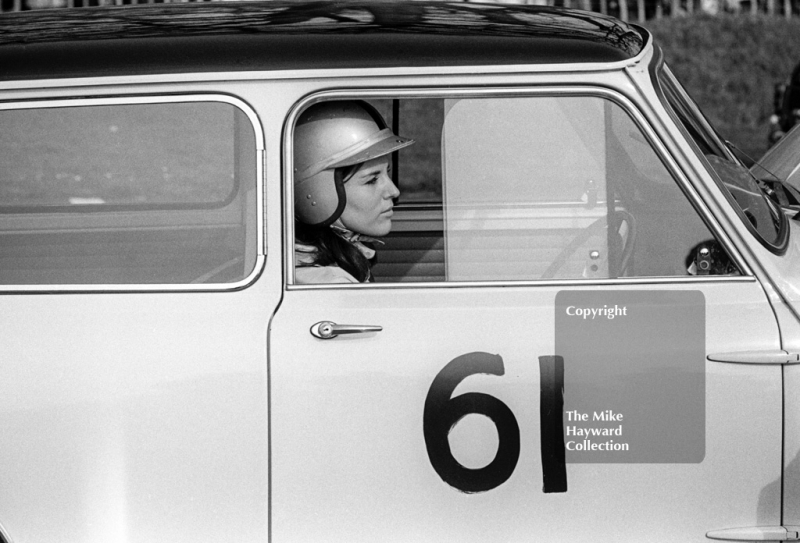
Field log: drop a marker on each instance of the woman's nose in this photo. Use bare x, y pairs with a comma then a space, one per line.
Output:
390, 190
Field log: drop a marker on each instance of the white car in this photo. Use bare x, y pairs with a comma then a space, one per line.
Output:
582, 326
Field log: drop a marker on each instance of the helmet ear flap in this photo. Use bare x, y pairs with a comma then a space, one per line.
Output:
325, 197
341, 196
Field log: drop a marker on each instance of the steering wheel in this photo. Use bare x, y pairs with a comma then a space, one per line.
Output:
593, 229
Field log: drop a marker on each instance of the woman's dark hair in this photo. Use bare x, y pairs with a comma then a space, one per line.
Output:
332, 249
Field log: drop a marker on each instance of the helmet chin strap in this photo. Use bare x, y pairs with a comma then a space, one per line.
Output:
341, 197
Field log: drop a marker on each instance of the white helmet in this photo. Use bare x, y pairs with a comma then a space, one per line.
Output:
330, 135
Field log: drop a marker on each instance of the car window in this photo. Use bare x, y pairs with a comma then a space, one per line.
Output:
561, 187
126, 193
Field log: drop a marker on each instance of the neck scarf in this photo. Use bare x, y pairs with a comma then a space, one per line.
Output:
305, 255
355, 238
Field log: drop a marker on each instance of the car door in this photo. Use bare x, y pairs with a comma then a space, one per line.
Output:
549, 376
133, 398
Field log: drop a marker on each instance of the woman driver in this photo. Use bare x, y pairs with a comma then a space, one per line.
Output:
343, 191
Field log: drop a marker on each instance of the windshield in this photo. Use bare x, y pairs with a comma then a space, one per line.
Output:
756, 210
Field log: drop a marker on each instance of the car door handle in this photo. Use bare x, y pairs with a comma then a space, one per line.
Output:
775, 356
329, 330
756, 533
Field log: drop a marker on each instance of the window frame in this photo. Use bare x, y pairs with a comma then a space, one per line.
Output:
455, 92
156, 215
781, 243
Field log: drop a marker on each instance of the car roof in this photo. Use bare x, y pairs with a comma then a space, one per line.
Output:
275, 35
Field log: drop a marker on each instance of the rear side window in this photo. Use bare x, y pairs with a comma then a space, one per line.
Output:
127, 193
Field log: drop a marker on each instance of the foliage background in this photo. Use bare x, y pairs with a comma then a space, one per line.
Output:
730, 65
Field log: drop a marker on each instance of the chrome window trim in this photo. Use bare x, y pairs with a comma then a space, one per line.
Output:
260, 211
4, 537
331, 73
781, 243
685, 151
585, 89
687, 281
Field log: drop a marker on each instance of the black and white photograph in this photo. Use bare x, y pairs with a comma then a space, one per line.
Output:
399, 271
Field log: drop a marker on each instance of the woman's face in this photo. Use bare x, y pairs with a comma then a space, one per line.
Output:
369, 198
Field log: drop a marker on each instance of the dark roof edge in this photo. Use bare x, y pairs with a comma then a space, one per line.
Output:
317, 17
274, 36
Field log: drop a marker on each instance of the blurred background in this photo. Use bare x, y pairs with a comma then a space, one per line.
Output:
730, 54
